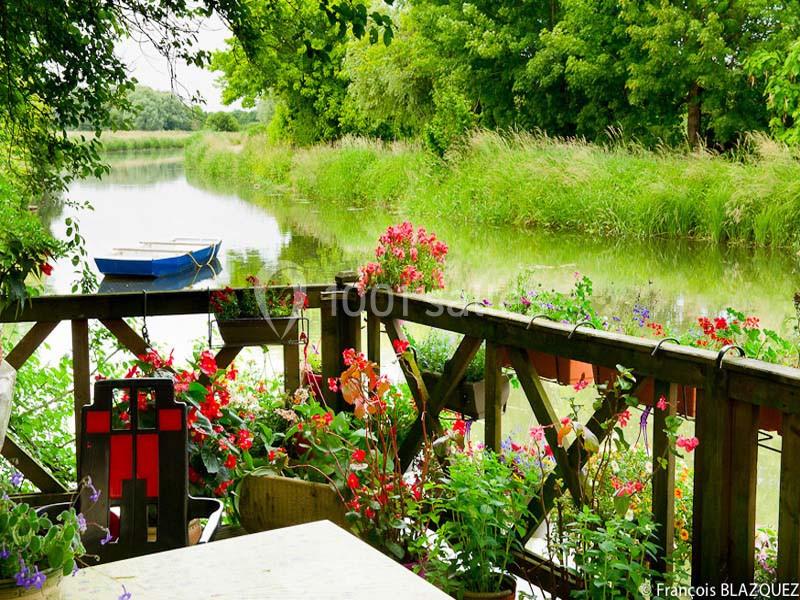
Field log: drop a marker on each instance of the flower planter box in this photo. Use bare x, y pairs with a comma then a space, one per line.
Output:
259, 331
469, 398
558, 368
645, 393
50, 590
271, 502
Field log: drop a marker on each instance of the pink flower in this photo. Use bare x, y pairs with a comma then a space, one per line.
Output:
580, 385
333, 384
687, 443
662, 403
537, 433
624, 417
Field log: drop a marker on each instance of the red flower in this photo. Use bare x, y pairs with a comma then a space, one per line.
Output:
460, 427
582, 383
222, 487
232, 373
244, 439
358, 456
208, 364
688, 444
230, 462
46, 268
333, 384
194, 476
352, 481
132, 372
662, 403
720, 323
191, 417
124, 416
369, 513
400, 346
624, 417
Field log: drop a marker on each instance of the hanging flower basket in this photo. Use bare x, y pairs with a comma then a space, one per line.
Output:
271, 502
469, 398
259, 331
565, 371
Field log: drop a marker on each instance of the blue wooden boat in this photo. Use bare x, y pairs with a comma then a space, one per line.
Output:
157, 259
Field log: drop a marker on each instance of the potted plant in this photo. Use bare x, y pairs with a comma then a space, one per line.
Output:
36, 552
472, 551
469, 398
406, 260
573, 307
258, 315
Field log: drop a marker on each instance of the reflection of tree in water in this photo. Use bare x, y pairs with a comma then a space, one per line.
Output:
304, 256
142, 167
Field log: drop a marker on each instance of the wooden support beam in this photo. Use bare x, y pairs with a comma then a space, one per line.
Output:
374, 338
33, 470
547, 417
340, 325
291, 367
742, 492
711, 510
493, 421
29, 343
126, 336
789, 508
663, 476
81, 370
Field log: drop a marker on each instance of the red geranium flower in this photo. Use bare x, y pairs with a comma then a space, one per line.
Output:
358, 456
208, 364
352, 481
230, 462
47, 269
400, 346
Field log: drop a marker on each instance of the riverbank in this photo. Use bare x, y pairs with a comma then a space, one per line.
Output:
535, 182
124, 141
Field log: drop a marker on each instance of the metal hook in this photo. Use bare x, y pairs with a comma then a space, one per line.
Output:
468, 304
534, 317
574, 329
145, 333
725, 349
661, 341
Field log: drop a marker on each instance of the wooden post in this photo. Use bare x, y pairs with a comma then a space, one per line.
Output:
291, 367
663, 476
789, 508
493, 428
742, 493
373, 338
29, 343
340, 329
80, 375
711, 510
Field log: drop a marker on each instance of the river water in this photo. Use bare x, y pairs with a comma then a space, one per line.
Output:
154, 195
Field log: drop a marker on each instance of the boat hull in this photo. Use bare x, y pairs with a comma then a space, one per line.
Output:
157, 267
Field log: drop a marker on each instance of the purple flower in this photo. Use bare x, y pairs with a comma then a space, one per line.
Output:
486, 302
17, 479
4, 553
94, 496
81, 522
125, 595
74, 569
107, 539
37, 579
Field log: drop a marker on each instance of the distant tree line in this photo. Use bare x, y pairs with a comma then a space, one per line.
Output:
657, 71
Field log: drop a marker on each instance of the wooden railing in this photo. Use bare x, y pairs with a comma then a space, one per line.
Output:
732, 391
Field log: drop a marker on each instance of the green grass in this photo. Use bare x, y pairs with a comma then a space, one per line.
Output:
535, 182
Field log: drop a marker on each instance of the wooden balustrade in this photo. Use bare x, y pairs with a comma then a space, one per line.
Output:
731, 390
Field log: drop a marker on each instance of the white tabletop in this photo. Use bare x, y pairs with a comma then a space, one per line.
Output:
315, 561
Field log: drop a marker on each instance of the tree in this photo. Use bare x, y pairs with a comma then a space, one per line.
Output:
222, 121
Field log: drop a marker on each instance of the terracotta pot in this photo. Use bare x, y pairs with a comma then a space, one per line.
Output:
645, 393
270, 502
258, 332
469, 398
509, 593
770, 419
561, 369
50, 590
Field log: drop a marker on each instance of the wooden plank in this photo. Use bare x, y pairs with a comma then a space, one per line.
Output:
291, 367
331, 353
454, 371
127, 304
789, 508
126, 336
81, 371
42, 499
663, 476
742, 493
547, 418
751, 381
29, 343
374, 338
33, 470
493, 421
711, 507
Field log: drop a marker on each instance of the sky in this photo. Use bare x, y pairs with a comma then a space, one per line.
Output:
152, 70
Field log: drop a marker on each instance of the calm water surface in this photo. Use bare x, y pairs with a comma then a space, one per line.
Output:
149, 196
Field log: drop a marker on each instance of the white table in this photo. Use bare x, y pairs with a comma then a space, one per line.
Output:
315, 561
